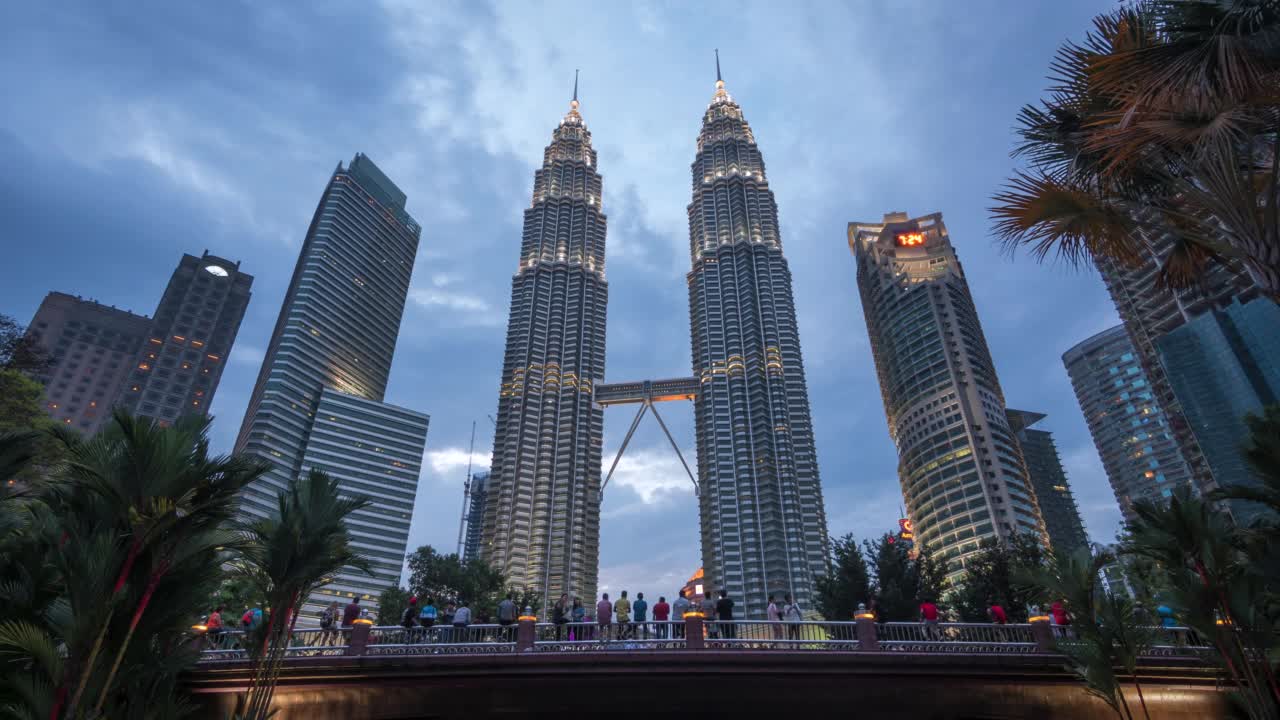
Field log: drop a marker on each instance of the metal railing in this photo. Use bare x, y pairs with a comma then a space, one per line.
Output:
745, 635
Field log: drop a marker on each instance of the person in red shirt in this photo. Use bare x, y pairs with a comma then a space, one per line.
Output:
1059, 614
997, 614
929, 616
661, 612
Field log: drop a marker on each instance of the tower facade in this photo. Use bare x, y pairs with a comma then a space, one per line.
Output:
542, 504
475, 516
177, 370
318, 401
764, 528
1049, 481
1134, 438
962, 472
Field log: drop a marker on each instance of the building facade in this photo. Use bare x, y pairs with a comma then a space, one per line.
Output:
542, 515
334, 340
1134, 437
1149, 311
475, 516
764, 527
962, 472
177, 369
91, 349
372, 449
1222, 366
1049, 481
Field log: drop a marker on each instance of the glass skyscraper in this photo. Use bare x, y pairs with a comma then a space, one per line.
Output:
962, 471
1222, 366
327, 365
475, 515
1134, 439
1049, 481
764, 528
542, 514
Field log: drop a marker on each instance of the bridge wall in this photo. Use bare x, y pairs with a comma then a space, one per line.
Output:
704, 683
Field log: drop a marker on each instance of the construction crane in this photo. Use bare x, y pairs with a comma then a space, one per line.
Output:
466, 490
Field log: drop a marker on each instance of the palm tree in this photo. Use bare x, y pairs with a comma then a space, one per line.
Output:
1159, 138
1215, 589
132, 523
1104, 634
288, 555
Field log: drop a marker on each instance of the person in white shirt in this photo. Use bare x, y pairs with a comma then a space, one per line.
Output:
775, 616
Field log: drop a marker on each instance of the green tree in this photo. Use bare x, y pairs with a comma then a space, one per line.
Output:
447, 578
988, 577
19, 350
391, 605
108, 562
847, 585
901, 582
1162, 123
291, 553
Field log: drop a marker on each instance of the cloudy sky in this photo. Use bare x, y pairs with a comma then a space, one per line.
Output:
133, 132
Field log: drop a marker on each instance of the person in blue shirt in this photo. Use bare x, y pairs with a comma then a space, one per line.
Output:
639, 608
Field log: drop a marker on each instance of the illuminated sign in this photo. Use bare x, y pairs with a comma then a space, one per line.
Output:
910, 239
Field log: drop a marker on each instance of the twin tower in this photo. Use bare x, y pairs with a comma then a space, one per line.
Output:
764, 529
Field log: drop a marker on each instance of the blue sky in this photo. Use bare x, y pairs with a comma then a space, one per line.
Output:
132, 132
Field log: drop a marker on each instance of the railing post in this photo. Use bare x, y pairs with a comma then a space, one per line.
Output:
359, 639
693, 639
526, 633
1042, 632
866, 629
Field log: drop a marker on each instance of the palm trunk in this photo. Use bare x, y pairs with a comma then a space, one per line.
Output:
133, 625
1138, 686
135, 548
264, 691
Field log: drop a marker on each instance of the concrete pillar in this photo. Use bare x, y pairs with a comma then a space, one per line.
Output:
359, 639
693, 639
866, 628
1042, 631
526, 633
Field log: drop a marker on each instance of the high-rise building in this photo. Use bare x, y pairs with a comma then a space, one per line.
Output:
764, 528
1223, 365
328, 362
1150, 310
475, 516
91, 348
1133, 436
962, 473
1049, 481
373, 449
177, 369
542, 513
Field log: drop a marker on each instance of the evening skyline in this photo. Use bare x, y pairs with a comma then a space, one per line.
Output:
133, 135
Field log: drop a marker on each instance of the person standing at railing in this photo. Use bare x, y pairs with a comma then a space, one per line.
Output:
661, 615
579, 614
461, 619
622, 611
350, 613
681, 608
641, 609
560, 615
604, 616
998, 618
329, 618
213, 627
775, 617
507, 612
427, 618
792, 616
708, 608
409, 619
724, 612
929, 620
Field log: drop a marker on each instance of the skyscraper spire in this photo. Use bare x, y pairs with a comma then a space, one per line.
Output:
718, 78
575, 86
573, 117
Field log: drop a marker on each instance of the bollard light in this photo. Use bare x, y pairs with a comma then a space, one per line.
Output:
864, 616
529, 618
362, 621
1038, 618
199, 628
694, 614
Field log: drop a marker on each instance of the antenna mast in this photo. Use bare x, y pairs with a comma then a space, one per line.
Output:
466, 490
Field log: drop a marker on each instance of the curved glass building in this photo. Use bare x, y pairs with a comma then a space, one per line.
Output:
542, 507
764, 529
962, 472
